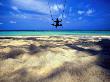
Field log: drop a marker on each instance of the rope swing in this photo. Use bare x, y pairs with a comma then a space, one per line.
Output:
56, 21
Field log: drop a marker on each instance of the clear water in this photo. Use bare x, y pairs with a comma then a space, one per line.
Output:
38, 33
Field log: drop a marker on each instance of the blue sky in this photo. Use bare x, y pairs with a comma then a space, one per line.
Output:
34, 14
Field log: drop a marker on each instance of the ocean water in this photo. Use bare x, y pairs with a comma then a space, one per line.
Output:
42, 33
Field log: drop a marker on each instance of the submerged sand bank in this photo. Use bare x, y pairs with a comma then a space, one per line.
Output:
55, 59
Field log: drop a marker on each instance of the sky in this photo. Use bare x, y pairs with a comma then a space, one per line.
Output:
35, 14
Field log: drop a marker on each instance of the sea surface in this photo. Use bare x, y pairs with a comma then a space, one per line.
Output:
43, 33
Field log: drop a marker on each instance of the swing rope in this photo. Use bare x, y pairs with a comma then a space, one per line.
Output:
63, 11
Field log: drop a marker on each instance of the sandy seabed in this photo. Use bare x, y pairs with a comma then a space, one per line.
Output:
55, 59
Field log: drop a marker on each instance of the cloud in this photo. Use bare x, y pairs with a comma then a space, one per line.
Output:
80, 12
85, 12
12, 22
80, 18
54, 7
29, 16
21, 16
40, 6
57, 7
1, 23
16, 9
32, 5
90, 12
68, 22
1, 4
62, 16
11, 13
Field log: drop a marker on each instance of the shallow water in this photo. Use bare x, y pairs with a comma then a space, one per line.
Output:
34, 33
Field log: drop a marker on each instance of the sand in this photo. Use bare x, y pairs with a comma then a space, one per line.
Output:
55, 59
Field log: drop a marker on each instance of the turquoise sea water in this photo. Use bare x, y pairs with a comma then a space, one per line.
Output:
38, 33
